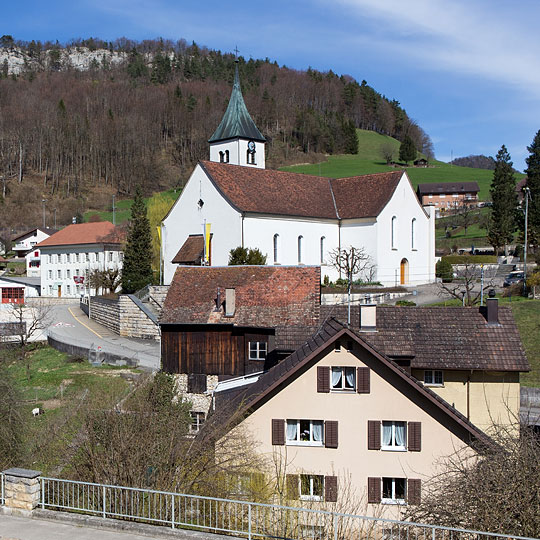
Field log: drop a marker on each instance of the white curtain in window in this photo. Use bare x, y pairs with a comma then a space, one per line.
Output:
291, 430
336, 378
350, 377
400, 433
317, 431
387, 434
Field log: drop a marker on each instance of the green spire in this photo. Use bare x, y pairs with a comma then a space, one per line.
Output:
236, 121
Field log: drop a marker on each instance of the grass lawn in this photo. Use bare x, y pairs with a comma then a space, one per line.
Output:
64, 389
123, 207
369, 161
527, 315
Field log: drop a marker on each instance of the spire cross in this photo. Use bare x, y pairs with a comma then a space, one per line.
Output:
236, 51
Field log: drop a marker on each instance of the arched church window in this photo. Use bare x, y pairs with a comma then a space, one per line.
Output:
413, 233
276, 248
221, 157
323, 241
300, 246
226, 156
393, 232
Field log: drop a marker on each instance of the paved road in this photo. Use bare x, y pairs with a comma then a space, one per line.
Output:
69, 324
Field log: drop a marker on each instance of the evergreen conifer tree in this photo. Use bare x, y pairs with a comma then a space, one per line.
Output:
137, 267
503, 194
533, 183
407, 150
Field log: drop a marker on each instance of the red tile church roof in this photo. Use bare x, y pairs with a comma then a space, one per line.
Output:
265, 191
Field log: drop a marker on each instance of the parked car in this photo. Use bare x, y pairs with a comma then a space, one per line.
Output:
513, 278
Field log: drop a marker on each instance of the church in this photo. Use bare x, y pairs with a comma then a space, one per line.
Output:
232, 200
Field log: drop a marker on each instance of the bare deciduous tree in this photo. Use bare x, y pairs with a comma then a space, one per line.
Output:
497, 491
32, 318
105, 280
467, 285
353, 262
387, 151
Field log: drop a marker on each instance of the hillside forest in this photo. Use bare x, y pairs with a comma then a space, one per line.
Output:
140, 113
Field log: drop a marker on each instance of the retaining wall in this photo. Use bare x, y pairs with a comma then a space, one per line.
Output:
123, 317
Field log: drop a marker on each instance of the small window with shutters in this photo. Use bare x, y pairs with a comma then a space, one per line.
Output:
393, 490
343, 378
304, 432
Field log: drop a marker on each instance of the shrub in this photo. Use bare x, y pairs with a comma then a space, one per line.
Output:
443, 269
241, 256
471, 259
405, 303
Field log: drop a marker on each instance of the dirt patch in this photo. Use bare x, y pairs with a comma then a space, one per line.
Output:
52, 404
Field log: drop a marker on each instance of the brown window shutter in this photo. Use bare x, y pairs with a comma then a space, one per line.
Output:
331, 434
278, 431
363, 380
414, 488
374, 490
323, 379
292, 486
415, 436
374, 434
330, 488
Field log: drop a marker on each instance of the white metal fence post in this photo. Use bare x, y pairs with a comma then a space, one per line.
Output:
249, 521
172, 511
104, 501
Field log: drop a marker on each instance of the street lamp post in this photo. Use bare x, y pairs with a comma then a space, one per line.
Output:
43, 201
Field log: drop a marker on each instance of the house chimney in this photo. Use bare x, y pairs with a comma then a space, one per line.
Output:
368, 317
218, 300
492, 311
230, 302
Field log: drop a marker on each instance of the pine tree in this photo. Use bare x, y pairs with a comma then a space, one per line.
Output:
533, 183
407, 150
503, 194
137, 268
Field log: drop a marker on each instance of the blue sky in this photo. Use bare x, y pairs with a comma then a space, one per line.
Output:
468, 71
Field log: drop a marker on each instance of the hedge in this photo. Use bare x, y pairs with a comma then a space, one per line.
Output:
472, 259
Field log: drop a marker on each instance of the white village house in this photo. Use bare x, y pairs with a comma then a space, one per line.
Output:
25, 246
70, 255
232, 200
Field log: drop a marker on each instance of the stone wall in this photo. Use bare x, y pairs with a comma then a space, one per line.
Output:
157, 295
123, 317
199, 402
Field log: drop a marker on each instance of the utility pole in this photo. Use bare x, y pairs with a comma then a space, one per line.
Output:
527, 195
113, 212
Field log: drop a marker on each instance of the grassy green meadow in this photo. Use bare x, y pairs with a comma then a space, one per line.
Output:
123, 206
368, 160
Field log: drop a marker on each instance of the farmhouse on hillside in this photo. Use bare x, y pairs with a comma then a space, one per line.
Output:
294, 219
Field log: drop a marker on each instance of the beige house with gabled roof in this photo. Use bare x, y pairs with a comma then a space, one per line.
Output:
339, 414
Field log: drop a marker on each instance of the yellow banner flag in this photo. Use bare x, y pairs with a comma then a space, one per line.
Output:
159, 233
207, 242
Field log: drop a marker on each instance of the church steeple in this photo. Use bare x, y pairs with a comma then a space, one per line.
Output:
237, 139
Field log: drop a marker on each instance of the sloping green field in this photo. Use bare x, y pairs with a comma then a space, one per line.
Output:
369, 160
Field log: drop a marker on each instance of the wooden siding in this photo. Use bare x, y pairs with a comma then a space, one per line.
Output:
210, 350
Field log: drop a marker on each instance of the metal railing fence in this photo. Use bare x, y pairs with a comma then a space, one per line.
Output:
236, 517
2, 495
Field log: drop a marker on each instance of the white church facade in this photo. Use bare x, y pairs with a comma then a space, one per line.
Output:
294, 219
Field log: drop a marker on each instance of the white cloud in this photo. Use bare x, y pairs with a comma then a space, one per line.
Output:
491, 40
